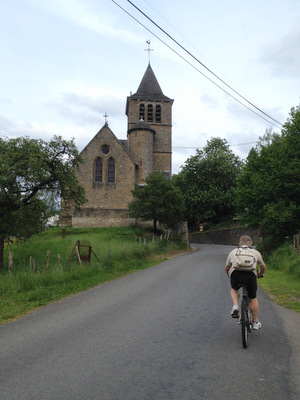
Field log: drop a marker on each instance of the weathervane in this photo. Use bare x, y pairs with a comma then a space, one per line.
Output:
148, 43
106, 116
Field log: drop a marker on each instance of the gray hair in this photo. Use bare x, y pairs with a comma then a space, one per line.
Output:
245, 241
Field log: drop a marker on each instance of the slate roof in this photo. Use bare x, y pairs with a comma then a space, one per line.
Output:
140, 126
149, 88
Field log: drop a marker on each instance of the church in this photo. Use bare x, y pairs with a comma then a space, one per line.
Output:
112, 167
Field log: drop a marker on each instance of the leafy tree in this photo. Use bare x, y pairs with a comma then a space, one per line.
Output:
268, 191
33, 175
208, 181
158, 200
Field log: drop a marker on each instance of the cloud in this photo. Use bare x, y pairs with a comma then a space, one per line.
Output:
88, 108
282, 57
93, 17
209, 101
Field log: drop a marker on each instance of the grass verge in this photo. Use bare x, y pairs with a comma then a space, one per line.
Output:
120, 251
282, 278
282, 288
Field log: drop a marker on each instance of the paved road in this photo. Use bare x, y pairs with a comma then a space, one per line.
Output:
158, 334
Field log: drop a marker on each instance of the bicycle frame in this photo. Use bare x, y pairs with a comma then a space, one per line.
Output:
246, 316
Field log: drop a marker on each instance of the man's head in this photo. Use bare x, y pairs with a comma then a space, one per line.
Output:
245, 241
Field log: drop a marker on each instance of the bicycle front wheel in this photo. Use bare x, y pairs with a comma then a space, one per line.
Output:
244, 323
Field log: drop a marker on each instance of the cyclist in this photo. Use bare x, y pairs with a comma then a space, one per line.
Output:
248, 277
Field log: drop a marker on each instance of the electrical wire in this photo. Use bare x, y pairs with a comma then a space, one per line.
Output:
188, 62
203, 65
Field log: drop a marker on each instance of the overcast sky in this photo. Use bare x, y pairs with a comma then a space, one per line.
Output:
64, 63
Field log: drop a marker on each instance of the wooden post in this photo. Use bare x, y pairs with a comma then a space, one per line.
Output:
48, 260
34, 265
10, 262
58, 259
78, 255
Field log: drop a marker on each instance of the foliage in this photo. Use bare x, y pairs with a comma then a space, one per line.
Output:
33, 175
268, 190
208, 181
158, 200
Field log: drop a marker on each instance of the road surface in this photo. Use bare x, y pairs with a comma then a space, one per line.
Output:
159, 334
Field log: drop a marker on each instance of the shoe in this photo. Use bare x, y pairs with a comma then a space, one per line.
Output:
235, 311
256, 325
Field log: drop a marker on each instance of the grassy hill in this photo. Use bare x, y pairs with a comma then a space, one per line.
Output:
116, 252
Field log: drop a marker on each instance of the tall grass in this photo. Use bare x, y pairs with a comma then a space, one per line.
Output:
119, 250
282, 277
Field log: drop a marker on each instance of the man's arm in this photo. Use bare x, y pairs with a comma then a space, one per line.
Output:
262, 270
227, 268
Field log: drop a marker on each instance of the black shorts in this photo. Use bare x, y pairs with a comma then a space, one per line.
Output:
247, 278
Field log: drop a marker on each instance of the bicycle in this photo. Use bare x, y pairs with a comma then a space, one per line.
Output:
246, 316
246, 319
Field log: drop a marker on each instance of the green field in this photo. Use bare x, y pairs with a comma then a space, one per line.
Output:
118, 251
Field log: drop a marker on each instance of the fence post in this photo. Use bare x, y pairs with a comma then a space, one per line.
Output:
10, 262
34, 265
58, 258
48, 260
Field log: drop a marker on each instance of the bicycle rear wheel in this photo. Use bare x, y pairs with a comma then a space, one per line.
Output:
244, 322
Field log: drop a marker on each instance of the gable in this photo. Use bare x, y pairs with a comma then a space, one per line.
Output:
106, 137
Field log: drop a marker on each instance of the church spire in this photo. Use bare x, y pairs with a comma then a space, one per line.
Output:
149, 88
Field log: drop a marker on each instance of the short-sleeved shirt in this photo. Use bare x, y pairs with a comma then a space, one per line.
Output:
233, 266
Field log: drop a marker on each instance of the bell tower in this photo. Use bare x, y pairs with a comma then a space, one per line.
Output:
151, 106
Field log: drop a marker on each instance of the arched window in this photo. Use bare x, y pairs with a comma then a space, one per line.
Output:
111, 171
150, 113
158, 113
98, 170
142, 111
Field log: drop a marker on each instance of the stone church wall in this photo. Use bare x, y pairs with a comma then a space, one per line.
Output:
106, 195
95, 217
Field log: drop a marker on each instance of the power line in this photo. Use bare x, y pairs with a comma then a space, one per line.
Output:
197, 147
203, 65
188, 62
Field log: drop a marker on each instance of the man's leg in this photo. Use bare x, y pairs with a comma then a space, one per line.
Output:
235, 299
254, 309
235, 296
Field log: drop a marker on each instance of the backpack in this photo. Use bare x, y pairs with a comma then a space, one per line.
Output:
244, 260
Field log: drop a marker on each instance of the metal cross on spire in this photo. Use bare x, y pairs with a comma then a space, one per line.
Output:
148, 43
106, 116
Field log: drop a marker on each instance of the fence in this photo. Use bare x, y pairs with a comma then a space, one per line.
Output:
33, 261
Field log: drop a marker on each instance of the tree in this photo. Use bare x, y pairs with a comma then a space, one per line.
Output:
268, 190
208, 182
158, 200
33, 175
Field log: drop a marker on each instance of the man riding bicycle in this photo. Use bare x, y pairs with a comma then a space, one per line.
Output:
240, 273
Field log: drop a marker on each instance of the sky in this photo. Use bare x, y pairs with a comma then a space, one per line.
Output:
65, 63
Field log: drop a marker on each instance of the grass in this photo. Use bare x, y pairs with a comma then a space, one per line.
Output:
120, 251
282, 278
282, 288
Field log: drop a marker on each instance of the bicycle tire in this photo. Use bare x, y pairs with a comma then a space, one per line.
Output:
244, 323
